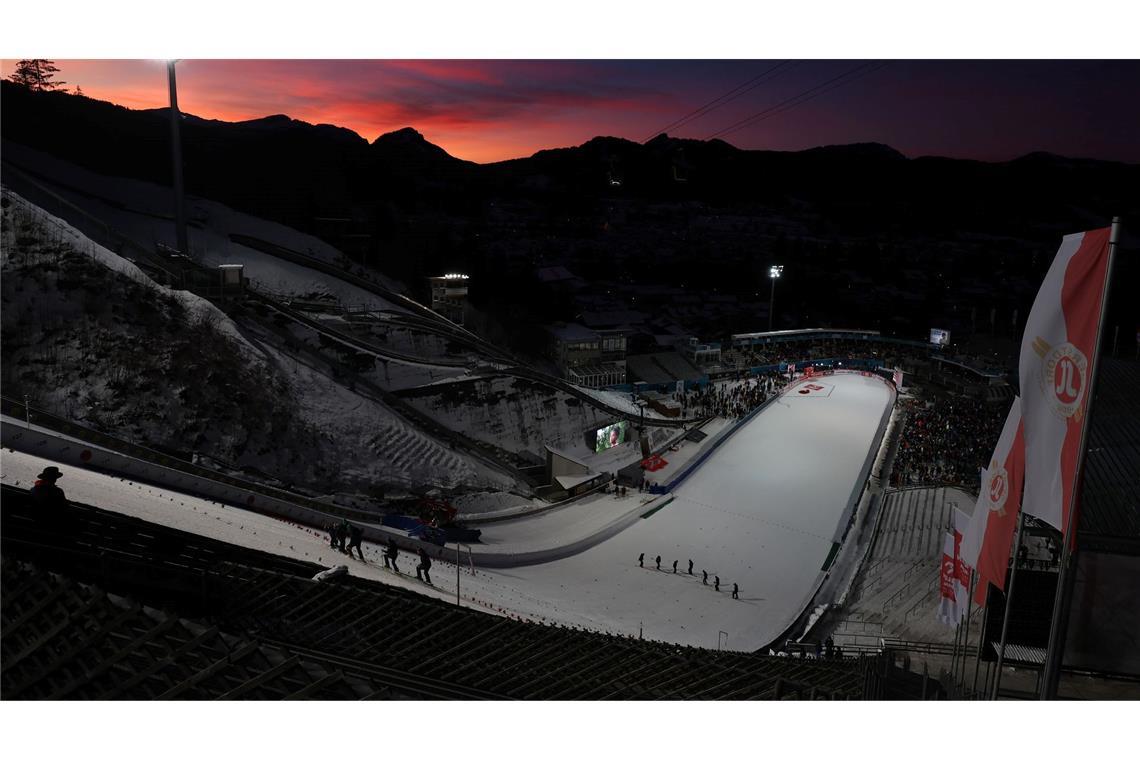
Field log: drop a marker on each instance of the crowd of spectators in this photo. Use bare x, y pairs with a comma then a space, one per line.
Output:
731, 400
801, 351
946, 439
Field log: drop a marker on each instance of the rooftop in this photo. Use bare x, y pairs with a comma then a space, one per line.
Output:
572, 332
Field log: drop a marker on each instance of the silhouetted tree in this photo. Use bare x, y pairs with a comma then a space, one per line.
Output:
36, 74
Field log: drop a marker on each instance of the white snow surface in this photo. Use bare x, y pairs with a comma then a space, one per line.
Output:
761, 512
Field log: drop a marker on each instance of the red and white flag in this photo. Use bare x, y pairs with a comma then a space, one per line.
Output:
953, 581
947, 595
989, 533
1056, 366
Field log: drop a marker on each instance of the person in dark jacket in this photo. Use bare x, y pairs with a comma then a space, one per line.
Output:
690, 567
392, 554
45, 493
50, 500
716, 582
355, 535
705, 577
342, 535
425, 566
332, 535
735, 591
674, 567
641, 560
658, 561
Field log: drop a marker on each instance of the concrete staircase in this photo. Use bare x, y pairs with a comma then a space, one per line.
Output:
897, 590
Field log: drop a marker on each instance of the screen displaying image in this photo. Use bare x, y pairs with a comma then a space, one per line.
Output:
939, 337
611, 435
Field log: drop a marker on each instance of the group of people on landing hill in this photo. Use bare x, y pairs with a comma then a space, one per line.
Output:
704, 574
341, 531
343, 536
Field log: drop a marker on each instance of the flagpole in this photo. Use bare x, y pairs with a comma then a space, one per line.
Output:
981, 641
1055, 650
966, 643
1008, 605
954, 655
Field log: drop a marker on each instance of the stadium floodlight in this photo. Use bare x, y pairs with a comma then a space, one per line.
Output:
774, 273
176, 161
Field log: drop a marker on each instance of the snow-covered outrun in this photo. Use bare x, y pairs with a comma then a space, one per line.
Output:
762, 511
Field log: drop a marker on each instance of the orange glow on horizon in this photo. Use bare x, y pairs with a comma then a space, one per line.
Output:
487, 110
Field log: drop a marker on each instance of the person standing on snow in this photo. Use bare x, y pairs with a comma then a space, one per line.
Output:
735, 591
658, 561
425, 566
332, 535
690, 567
392, 554
641, 560
355, 535
716, 582
674, 567
705, 577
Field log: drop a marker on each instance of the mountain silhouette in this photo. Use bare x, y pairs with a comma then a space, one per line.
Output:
292, 171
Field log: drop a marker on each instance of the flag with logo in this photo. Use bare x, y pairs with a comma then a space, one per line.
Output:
947, 595
989, 531
1056, 366
953, 580
962, 571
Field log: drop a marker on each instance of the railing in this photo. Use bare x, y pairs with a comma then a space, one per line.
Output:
16, 409
915, 608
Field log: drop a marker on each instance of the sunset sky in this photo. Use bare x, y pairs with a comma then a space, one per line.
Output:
493, 110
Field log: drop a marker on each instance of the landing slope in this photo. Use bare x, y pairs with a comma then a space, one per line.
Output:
762, 511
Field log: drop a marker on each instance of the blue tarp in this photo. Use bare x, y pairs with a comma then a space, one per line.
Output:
400, 522
416, 528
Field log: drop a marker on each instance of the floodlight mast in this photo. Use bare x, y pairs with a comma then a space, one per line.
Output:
176, 161
774, 273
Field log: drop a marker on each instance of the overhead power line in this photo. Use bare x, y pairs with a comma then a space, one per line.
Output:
724, 99
788, 104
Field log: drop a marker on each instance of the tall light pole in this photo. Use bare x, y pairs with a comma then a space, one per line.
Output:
774, 273
176, 158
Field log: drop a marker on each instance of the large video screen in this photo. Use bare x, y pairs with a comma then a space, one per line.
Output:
939, 337
611, 435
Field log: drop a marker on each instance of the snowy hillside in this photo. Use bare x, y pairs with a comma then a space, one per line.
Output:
90, 337
512, 413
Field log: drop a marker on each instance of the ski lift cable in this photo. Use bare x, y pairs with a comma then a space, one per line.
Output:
809, 97
724, 99
795, 100
822, 92
756, 119
787, 102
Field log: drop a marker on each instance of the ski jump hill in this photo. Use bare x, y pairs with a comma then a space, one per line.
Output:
764, 505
